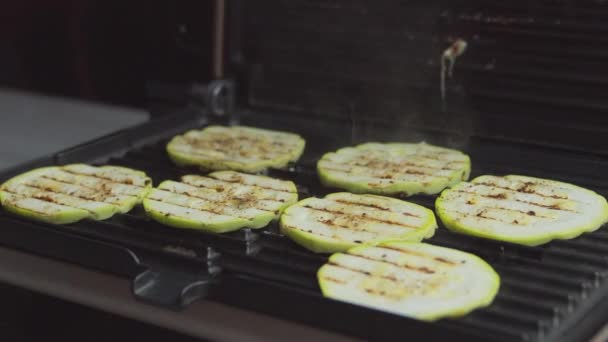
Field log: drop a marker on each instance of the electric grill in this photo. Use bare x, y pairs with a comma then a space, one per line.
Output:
524, 98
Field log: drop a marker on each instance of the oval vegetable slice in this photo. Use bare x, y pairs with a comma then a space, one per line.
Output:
394, 168
237, 148
343, 220
417, 280
519, 209
69, 193
221, 202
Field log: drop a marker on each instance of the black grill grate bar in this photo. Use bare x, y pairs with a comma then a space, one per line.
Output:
600, 234
540, 290
558, 263
586, 245
494, 328
531, 304
559, 281
574, 257
514, 319
581, 273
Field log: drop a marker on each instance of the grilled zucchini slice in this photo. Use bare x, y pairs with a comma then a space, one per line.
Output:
221, 202
343, 220
519, 209
66, 194
417, 280
236, 148
394, 168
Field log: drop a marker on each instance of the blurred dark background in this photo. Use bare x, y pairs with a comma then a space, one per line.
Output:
106, 51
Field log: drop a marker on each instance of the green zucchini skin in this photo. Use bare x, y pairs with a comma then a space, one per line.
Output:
220, 202
349, 219
416, 280
70, 193
237, 148
528, 224
393, 168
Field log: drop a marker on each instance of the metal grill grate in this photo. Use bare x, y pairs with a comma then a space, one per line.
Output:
545, 291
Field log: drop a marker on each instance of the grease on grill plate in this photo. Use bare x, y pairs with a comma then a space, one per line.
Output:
70, 193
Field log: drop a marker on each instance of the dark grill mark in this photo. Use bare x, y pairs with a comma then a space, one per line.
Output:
525, 189
103, 188
422, 269
99, 197
381, 293
482, 215
553, 206
46, 198
395, 173
445, 261
240, 145
216, 212
369, 274
374, 206
334, 280
193, 183
110, 180
331, 223
308, 231
363, 218
243, 201
361, 204
407, 251
393, 166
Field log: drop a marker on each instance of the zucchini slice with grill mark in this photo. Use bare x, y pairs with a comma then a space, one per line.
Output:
237, 148
221, 202
343, 220
394, 168
69, 193
417, 280
519, 209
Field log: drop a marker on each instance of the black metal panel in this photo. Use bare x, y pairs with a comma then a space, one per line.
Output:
533, 70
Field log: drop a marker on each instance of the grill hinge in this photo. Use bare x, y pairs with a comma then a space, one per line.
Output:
219, 97
172, 287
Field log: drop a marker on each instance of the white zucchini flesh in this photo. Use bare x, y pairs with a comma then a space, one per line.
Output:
221, 202
237, 148
520, 209
394, 168
343, 220
69, 193
417, 280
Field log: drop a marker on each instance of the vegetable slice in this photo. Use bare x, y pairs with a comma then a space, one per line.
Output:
519, 209
343, 220
221, 202
66, 194
417, 280
236, 148
394, 168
